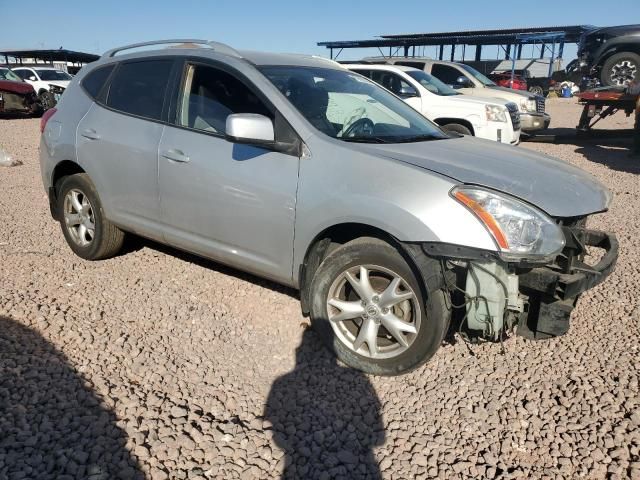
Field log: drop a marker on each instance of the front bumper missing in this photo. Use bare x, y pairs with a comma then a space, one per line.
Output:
538, 299
553, 290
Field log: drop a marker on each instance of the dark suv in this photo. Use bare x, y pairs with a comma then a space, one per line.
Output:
611, 54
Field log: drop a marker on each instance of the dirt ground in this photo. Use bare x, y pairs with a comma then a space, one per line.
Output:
159, 364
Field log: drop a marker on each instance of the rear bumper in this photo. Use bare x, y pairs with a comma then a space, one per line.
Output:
554, 290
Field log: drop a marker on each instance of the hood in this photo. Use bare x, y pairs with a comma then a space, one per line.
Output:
16, 87
482, 101
511, 91
554, 186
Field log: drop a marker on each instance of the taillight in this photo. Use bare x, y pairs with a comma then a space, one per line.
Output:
45, 118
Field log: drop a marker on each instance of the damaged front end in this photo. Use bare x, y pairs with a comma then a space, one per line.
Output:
496, 296
19, 102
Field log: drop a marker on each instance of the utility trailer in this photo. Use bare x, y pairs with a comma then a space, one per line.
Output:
600, 103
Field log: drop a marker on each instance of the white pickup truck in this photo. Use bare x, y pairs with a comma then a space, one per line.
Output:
497, 119
469, 81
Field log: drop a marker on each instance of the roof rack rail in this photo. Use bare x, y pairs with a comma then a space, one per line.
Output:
217, 46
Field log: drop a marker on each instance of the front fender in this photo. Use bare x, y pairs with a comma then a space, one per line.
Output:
442, 220
613, 46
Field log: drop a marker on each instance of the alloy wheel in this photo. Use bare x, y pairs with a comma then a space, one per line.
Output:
623, 72
78, 217
373, 311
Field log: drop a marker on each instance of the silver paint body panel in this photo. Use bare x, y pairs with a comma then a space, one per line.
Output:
260, 210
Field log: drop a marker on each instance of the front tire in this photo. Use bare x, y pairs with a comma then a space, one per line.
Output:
84, 225
457, 128
46, 100
620, 69
537, 90
369, 308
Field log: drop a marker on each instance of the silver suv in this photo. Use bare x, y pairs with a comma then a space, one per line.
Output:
295, 169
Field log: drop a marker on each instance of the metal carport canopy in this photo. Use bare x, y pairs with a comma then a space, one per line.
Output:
514, 36
50, 55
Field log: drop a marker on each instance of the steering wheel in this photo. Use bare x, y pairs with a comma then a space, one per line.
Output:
363, 127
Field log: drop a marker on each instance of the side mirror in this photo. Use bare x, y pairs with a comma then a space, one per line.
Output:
407, 92
250, 128
463, 82
32, 78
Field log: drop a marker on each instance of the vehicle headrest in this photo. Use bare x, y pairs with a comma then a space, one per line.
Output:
311, 99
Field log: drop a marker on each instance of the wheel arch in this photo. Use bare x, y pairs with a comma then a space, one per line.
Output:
62, 169
461, 121
330, 238
614, 49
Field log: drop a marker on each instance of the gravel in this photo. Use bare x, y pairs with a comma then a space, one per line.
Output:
158, 364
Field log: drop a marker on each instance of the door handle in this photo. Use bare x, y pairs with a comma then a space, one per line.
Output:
91, 134
175, 155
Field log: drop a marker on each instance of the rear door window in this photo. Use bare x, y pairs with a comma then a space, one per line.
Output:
138, 88
365, 73
446, 74
418, 65
95, 80
392, 82
23, 74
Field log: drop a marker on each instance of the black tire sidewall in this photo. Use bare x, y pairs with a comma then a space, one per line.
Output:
537, 90
46, 100
605, 75
432, 322
84, 184
458, 128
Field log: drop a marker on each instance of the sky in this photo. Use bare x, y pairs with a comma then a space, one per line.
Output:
282, 26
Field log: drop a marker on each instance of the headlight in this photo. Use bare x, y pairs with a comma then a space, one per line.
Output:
520, 230
528, 105
496, 113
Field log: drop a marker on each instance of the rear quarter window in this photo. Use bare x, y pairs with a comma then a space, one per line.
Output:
95, 80
138, 88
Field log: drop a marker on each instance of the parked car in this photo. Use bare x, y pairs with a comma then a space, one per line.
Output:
49, 83
493, 120
17, 96
469, 81
504, 79
611, 54
226, 154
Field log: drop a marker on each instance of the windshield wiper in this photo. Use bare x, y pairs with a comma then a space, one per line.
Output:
364, 139
419, 138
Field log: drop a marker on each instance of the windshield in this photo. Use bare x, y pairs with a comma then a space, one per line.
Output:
478, 76
53, 75
6, 74
347, 106
431, 83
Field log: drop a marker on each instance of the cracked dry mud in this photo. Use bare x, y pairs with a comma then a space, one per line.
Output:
158, 364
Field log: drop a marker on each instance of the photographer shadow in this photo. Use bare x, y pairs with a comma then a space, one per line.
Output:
52, 426
325, 417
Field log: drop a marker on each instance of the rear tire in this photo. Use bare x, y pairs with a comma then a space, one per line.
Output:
620, 69
457, 128
419, 318
84, 225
